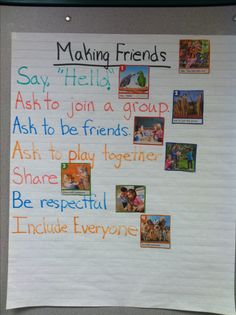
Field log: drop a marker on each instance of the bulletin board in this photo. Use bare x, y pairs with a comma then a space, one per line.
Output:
117, 163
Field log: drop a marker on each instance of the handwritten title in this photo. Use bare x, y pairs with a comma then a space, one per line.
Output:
68, 54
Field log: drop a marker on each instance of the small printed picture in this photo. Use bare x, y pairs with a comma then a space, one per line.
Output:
148, 130
188, 107
130, 198
180, 157
134, 82
76, 179
194, 56
155, 231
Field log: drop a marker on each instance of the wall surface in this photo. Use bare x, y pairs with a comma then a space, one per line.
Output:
207, 20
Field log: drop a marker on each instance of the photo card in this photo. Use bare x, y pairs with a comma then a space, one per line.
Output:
133, 82
180, 157
188, 107
76, 179
130, 198
148, 130
194, 56
155, 231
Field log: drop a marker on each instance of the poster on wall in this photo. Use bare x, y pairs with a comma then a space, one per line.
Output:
122, 181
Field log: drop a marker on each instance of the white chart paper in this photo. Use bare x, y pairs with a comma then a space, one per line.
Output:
122, 175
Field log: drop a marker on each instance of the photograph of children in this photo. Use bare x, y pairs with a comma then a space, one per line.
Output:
76, 179
130, 198
194, 56
148, 130
188, 107
180, 157
133, 82
155, 231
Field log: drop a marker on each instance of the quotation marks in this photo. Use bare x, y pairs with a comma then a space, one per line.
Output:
60, 70
109, 72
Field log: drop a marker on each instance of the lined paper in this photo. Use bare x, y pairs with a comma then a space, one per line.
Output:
76, 141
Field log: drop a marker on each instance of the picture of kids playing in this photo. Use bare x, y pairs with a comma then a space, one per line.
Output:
130, 198
180, 157
76, 178
148, 130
